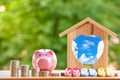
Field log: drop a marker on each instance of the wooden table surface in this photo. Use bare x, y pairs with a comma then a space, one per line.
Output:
5, 75
61, 78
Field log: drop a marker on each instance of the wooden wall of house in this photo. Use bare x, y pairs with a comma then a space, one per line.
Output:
87, 29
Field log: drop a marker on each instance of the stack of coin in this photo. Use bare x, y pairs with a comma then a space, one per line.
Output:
35, 72
62, 74
14, 68
44, 73
55, 74
25, 71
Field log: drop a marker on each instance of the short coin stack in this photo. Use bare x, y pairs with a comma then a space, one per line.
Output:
55, 74
35, 72
44, 73
25, 71
14, 68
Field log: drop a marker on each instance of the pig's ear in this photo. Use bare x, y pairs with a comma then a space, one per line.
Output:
50, 52
36, 52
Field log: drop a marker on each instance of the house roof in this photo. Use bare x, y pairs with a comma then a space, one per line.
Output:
91, 21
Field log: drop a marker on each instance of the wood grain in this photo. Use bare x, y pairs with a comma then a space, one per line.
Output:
82, 30
87, 29
5, 75
62, 78
103, 61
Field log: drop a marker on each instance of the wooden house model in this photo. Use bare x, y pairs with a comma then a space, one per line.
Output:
87, 27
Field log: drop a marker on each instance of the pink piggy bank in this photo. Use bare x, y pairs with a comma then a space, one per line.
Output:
44, 59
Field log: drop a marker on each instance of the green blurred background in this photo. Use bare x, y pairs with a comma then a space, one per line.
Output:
28, 25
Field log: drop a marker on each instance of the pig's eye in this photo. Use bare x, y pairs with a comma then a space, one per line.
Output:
39, 54
45, 54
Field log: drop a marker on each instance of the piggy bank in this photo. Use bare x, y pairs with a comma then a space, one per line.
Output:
44, 59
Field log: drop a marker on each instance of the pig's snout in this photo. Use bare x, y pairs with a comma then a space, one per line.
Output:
43, 63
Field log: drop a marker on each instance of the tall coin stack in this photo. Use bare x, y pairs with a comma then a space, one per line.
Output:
25, 71
14, 68
35, 72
